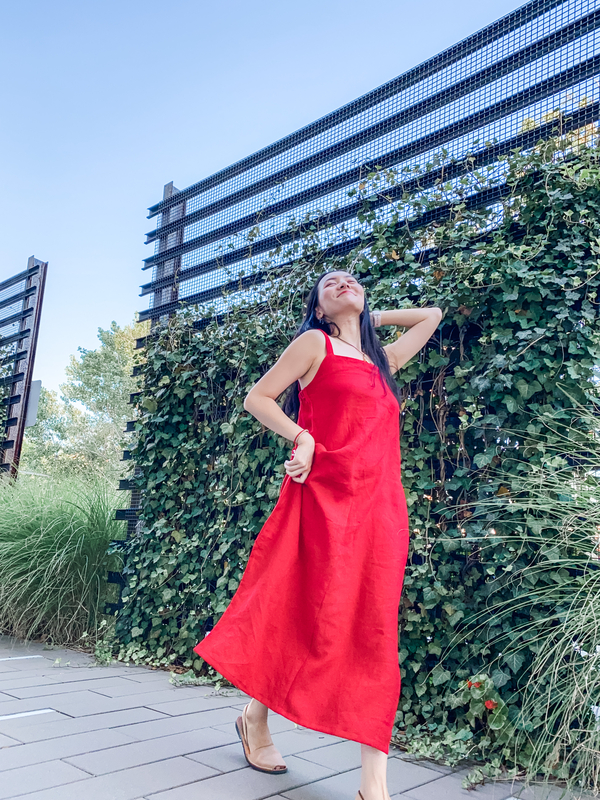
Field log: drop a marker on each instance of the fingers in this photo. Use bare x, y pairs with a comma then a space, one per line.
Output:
298, 472
298, 467
300, 478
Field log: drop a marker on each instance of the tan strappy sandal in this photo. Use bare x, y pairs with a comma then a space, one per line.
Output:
259, 754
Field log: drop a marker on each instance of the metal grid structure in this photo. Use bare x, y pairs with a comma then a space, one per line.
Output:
530, 74
498, 89
20, 310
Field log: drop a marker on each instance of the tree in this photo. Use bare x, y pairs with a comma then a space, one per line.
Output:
83, 430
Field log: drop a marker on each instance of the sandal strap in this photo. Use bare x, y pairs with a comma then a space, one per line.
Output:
260, 747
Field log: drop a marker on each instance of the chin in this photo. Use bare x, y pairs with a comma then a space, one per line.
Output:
348, 303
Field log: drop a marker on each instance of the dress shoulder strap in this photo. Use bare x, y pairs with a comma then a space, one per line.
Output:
327, 343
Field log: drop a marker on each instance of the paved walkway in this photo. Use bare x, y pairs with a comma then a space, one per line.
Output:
71, 730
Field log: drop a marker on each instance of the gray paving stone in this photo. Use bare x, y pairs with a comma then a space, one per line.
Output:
25, 660
302, 740
52, 677
246, 784
544, 791
6, 668
165, 726
61, 747
449, 787
7, 741
81, 704
422, 762
129, 688
190, 704
224, 759
5, 698
132, 783
142, 675
400, 777
29, 779
117, 719
406, 775
133, 754
342, 756
60, 688
341, 786
15, 706
13, 726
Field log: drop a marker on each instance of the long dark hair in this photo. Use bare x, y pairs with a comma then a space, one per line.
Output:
369, 340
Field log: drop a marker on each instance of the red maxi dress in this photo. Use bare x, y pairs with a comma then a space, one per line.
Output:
312, 630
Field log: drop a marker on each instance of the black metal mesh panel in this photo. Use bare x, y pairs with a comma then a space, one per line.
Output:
495, 90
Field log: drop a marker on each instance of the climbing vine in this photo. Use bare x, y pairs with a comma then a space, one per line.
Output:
518, 280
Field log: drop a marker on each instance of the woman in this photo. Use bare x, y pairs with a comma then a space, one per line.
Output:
312, 631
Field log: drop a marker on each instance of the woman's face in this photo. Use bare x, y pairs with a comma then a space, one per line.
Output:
339, 292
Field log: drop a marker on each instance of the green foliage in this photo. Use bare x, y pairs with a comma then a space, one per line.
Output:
519, 342
83, 432
54, 539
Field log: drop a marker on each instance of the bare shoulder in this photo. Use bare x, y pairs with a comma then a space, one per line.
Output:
311, 343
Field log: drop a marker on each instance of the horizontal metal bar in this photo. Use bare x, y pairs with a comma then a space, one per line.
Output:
115, 577
493, 72
480, 158
10, 379
15, 298
21, 276
483, 198
4, 323
9, 401
126, 514
16, 356
15, 337
506, 106
435, 64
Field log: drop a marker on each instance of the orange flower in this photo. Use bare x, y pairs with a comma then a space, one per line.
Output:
469, 684
477, 685
491, 704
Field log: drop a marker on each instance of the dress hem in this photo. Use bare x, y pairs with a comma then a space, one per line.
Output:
279, 710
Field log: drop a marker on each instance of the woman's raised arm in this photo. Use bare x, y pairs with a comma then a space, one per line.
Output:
421, 323
294, 362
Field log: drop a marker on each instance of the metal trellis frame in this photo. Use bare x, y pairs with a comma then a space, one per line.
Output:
525, 77
21, 300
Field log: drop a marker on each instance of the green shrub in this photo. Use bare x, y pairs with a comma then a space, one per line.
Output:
519, 282
54, 538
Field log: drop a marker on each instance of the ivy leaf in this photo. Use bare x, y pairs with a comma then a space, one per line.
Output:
483, 459
500, 678
440, 675
514, 661
150, 404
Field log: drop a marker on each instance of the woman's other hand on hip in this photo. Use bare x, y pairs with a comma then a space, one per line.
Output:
300, 464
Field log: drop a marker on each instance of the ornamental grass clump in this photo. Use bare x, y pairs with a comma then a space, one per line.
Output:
542, 614
54, 538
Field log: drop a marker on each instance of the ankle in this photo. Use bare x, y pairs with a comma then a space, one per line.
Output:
256, 713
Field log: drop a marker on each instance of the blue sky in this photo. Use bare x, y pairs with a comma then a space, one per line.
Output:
105, 102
